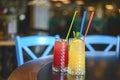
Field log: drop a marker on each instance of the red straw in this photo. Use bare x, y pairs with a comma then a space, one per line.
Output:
91, 17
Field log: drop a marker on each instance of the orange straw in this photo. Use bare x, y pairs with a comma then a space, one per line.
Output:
88, 26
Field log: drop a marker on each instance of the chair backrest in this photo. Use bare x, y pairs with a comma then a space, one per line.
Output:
24, 43
109, 41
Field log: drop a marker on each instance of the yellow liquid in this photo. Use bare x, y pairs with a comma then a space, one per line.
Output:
76, 64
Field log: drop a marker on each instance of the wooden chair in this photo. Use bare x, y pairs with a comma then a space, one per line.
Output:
24, 43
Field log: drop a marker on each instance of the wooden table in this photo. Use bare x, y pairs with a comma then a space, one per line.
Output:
31, 70
7, 43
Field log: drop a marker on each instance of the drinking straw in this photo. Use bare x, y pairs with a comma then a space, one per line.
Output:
88, 26
71, 25
83, 20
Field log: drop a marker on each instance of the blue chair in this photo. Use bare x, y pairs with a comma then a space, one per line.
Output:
110, 41
24, 43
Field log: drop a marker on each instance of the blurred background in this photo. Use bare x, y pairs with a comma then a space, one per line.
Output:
50, 17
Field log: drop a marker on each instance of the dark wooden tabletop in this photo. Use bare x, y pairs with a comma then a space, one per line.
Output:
29, 70
97, 67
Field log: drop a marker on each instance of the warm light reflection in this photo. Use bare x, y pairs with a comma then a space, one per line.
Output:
79, 2
109, 6
65, 1
32, 2
91, 8
58, 4
54, 0
119, 10
39, 3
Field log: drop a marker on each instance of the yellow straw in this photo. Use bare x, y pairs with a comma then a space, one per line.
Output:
71, 25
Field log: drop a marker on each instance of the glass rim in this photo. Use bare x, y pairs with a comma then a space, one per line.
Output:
60, 39
77, 38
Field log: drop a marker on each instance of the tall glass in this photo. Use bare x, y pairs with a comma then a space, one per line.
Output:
60, 59
76, 64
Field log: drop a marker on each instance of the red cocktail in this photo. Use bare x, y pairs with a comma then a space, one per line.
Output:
60, 61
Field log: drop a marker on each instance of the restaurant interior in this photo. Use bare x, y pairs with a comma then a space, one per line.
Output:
51, 17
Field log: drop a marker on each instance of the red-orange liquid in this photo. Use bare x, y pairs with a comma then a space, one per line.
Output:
60, 54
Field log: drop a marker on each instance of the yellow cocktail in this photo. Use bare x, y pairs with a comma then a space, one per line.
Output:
76, 63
